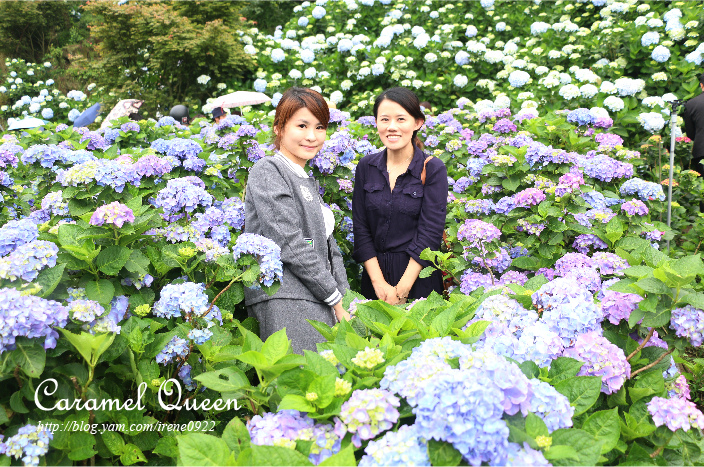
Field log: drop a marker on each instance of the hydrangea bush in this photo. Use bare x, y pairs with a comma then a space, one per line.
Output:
123, 262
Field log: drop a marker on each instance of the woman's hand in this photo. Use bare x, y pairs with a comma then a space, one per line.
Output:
340, 312
385, 291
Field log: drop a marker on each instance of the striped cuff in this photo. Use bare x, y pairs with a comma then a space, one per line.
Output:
333, 299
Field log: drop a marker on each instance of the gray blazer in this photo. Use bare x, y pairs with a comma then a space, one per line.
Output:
282, 206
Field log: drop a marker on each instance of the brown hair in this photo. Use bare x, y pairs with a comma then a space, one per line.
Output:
410, 103
294, 99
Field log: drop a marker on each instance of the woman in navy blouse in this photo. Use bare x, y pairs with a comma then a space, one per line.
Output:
395, 215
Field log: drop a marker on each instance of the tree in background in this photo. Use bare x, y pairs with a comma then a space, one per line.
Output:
166, 53
30, 29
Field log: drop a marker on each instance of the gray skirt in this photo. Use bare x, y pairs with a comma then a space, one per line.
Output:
290, 313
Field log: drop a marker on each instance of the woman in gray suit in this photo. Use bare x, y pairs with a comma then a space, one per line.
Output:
283, 203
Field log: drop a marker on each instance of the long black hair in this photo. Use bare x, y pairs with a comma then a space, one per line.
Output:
410, 103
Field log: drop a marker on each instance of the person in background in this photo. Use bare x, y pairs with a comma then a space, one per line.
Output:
283, 203
219, 114
180, 113
426, 107
399, 204
694, 126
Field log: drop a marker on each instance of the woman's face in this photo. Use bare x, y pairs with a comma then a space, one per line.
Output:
302, 137
395, 125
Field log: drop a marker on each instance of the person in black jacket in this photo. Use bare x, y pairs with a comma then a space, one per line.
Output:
398, 205
694, 126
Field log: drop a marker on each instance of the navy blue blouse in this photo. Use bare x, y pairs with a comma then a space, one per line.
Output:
409, 219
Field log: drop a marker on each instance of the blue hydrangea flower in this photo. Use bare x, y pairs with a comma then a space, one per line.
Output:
567, 308
553, 407
405, 447
176, 348
29, 316
176, 299
17, 233
30, 443
267, 253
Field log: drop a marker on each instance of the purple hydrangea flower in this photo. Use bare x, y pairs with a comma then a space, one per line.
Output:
567, 308
601, 358
471, 281
675, 413
477, 232
618, 305
367, 413
635, 207
188, 297
647, 191
689, 322
581, 117
16, 233
504, 126
609, 263
583, 242
114, 213
528, 197
286, 427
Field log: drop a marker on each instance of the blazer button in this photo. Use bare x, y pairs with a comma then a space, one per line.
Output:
414, 193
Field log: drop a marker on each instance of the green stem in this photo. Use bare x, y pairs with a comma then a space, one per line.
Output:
91, 373
117, 235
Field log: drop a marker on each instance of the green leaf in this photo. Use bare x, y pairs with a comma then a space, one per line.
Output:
31, 357
296, 402
660, 318
202, 449
276, 346
101, 291
688, 266
168, 447
696, 299
137, 263
605, 427
113, 441
653, 285
276, 456
224, 380
254, 358
343, 458
111, 259
49, 278
563, 368
535, 426
324, 387
426, 272
647, 384
638, 272
236, 436
554, 453
90, 346
587, 447
582, 392
443, 453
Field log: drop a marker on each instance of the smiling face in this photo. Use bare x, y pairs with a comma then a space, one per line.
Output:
302, 137
395, 126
